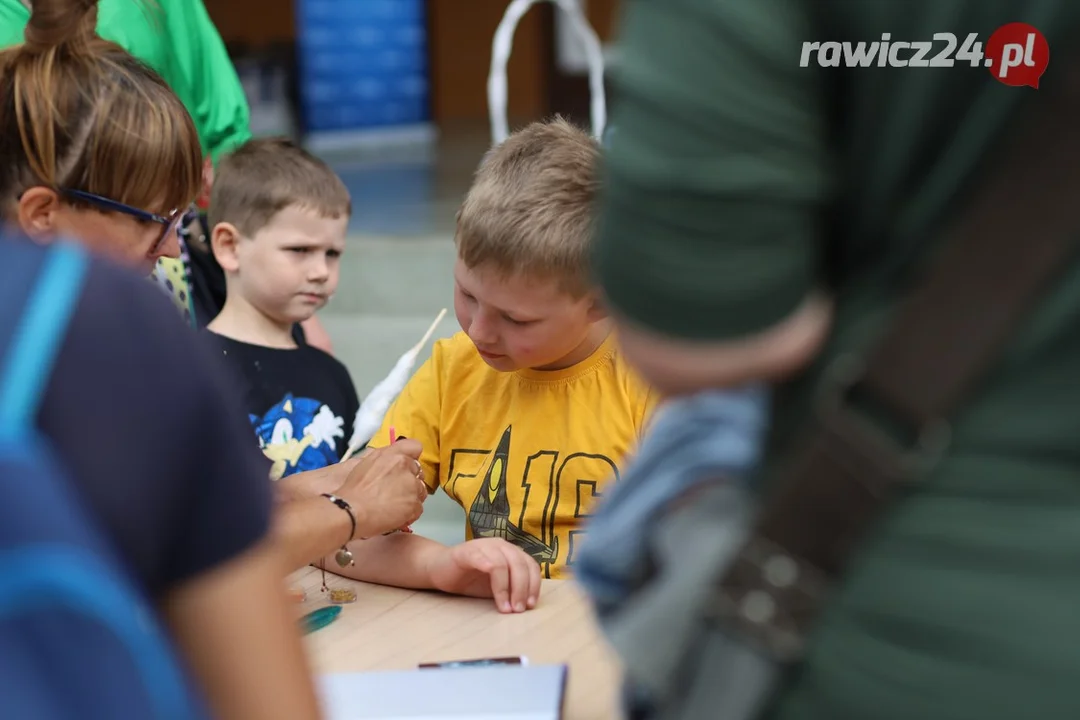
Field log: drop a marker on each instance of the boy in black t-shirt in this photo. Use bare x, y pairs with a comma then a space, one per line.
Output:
278, 217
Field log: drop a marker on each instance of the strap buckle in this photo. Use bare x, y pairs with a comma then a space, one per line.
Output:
909, 448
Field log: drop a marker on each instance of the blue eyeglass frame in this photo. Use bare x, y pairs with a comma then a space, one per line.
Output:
169, 222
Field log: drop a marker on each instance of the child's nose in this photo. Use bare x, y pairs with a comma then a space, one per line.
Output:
318, 269
481, 330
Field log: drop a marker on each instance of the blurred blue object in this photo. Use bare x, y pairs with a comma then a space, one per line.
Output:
362, 63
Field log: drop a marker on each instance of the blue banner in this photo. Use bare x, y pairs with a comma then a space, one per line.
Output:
363, 64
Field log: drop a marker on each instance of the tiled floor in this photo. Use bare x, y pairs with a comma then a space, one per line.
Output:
396, 274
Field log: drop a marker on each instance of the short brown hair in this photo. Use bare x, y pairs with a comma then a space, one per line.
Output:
530, 208
80, 113
264, 176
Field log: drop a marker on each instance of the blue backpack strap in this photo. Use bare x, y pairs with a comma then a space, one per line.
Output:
37, 334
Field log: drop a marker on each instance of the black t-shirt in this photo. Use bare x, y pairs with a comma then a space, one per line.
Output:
301, 402
149, 429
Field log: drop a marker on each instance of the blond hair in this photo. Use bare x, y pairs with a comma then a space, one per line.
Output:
80, 113
264, 176
530, 208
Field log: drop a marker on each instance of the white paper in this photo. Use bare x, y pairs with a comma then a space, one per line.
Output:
506, 692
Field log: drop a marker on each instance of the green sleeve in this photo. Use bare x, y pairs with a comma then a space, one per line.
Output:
716, 170
203, 76
13, 19
178, 39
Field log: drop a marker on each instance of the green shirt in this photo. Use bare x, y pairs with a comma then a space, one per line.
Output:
736, 182
178, 40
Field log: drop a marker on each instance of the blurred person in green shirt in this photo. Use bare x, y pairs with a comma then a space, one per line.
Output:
760, 219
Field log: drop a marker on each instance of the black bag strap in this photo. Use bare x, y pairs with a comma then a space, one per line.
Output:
1019, 229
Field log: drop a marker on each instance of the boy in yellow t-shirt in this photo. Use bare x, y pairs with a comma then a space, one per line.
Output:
527, 414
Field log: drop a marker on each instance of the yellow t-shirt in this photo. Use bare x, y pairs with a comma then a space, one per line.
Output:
525, 453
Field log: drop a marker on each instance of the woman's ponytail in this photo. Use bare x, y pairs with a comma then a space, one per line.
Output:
60, 25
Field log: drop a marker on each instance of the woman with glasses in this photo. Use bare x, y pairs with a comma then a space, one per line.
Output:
95, 146
178, 40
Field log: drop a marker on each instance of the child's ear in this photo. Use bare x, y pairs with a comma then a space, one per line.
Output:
597, 309
224, 241
38, 214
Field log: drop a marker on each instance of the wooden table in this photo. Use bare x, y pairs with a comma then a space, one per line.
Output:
394, 629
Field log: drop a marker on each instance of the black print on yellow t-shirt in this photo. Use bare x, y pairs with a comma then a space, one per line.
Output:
490, 513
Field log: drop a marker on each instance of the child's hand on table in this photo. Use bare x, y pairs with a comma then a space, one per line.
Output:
488, 567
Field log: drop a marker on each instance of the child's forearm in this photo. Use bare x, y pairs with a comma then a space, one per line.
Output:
401, 560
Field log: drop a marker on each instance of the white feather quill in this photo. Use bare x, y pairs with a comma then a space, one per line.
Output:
372, 411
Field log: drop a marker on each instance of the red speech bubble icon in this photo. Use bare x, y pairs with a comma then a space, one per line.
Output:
1017, 54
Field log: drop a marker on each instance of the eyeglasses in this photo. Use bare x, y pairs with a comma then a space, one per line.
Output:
169, 222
